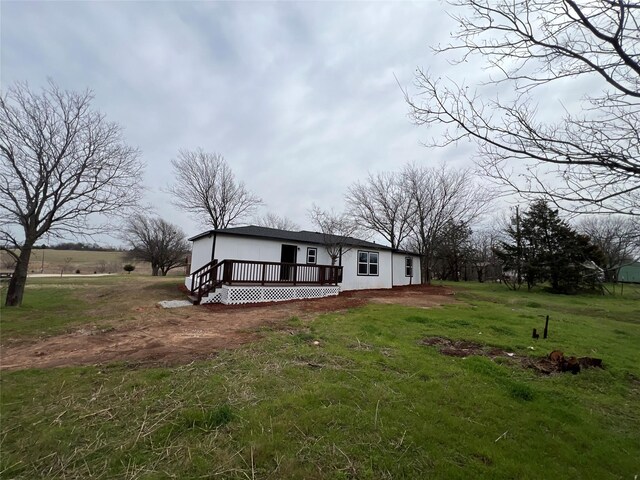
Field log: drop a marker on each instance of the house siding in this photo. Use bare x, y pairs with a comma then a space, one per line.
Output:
201, 252
263, 250
352, 281
399, 277
235, 247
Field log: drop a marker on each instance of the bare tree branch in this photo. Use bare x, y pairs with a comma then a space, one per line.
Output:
587, 160
382, 205
272, 220
336, 228
438, 196
60, 163
617, 237
206, 188
156, 241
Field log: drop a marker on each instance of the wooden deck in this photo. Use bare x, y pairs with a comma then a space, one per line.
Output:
246, 272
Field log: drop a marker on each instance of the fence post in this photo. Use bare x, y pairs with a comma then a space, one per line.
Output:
264, 272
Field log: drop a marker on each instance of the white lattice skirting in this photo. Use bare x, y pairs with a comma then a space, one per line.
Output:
237, 295
212, 297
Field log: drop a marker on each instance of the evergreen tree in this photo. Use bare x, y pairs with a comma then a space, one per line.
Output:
511, 254
548, 250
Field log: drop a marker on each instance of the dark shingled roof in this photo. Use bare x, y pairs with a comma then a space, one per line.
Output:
304, 236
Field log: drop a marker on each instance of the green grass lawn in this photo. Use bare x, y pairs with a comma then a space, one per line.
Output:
55, 305
368, 402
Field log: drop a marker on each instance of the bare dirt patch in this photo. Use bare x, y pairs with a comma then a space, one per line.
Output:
426, 296
181, 335
463, 348
554, 363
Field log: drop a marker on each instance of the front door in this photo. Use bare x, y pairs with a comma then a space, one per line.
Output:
289, 254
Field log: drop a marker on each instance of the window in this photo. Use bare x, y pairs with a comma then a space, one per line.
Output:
408, 267
367, 263
312, 255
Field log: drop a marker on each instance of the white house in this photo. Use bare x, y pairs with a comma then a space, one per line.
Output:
254, 264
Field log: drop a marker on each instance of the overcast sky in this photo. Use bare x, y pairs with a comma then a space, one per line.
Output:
300, 98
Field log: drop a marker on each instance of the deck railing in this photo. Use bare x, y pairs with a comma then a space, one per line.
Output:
205, 279
233, 272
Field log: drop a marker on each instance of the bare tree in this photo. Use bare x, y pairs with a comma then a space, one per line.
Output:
67, 264
588, 160
483, 259
453, 251
382, 204
335, 228
273, 220
60, 163
618, 238
156, 241
438, 196
7, 261
207, 189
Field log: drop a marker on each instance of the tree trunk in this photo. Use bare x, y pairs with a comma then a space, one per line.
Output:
15, 291
425, 273
155, 270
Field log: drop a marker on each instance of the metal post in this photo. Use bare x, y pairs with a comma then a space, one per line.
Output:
546, 327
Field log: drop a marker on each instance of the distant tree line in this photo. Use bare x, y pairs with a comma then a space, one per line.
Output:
89, 247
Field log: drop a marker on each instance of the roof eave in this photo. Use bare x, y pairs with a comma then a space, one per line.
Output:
200, 235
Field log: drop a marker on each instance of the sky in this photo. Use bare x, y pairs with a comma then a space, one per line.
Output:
301, 98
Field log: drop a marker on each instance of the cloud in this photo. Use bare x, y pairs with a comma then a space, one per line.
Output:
300, 98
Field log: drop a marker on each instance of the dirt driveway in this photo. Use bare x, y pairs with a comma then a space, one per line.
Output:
181, 335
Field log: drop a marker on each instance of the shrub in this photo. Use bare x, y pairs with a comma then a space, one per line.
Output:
129, 268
